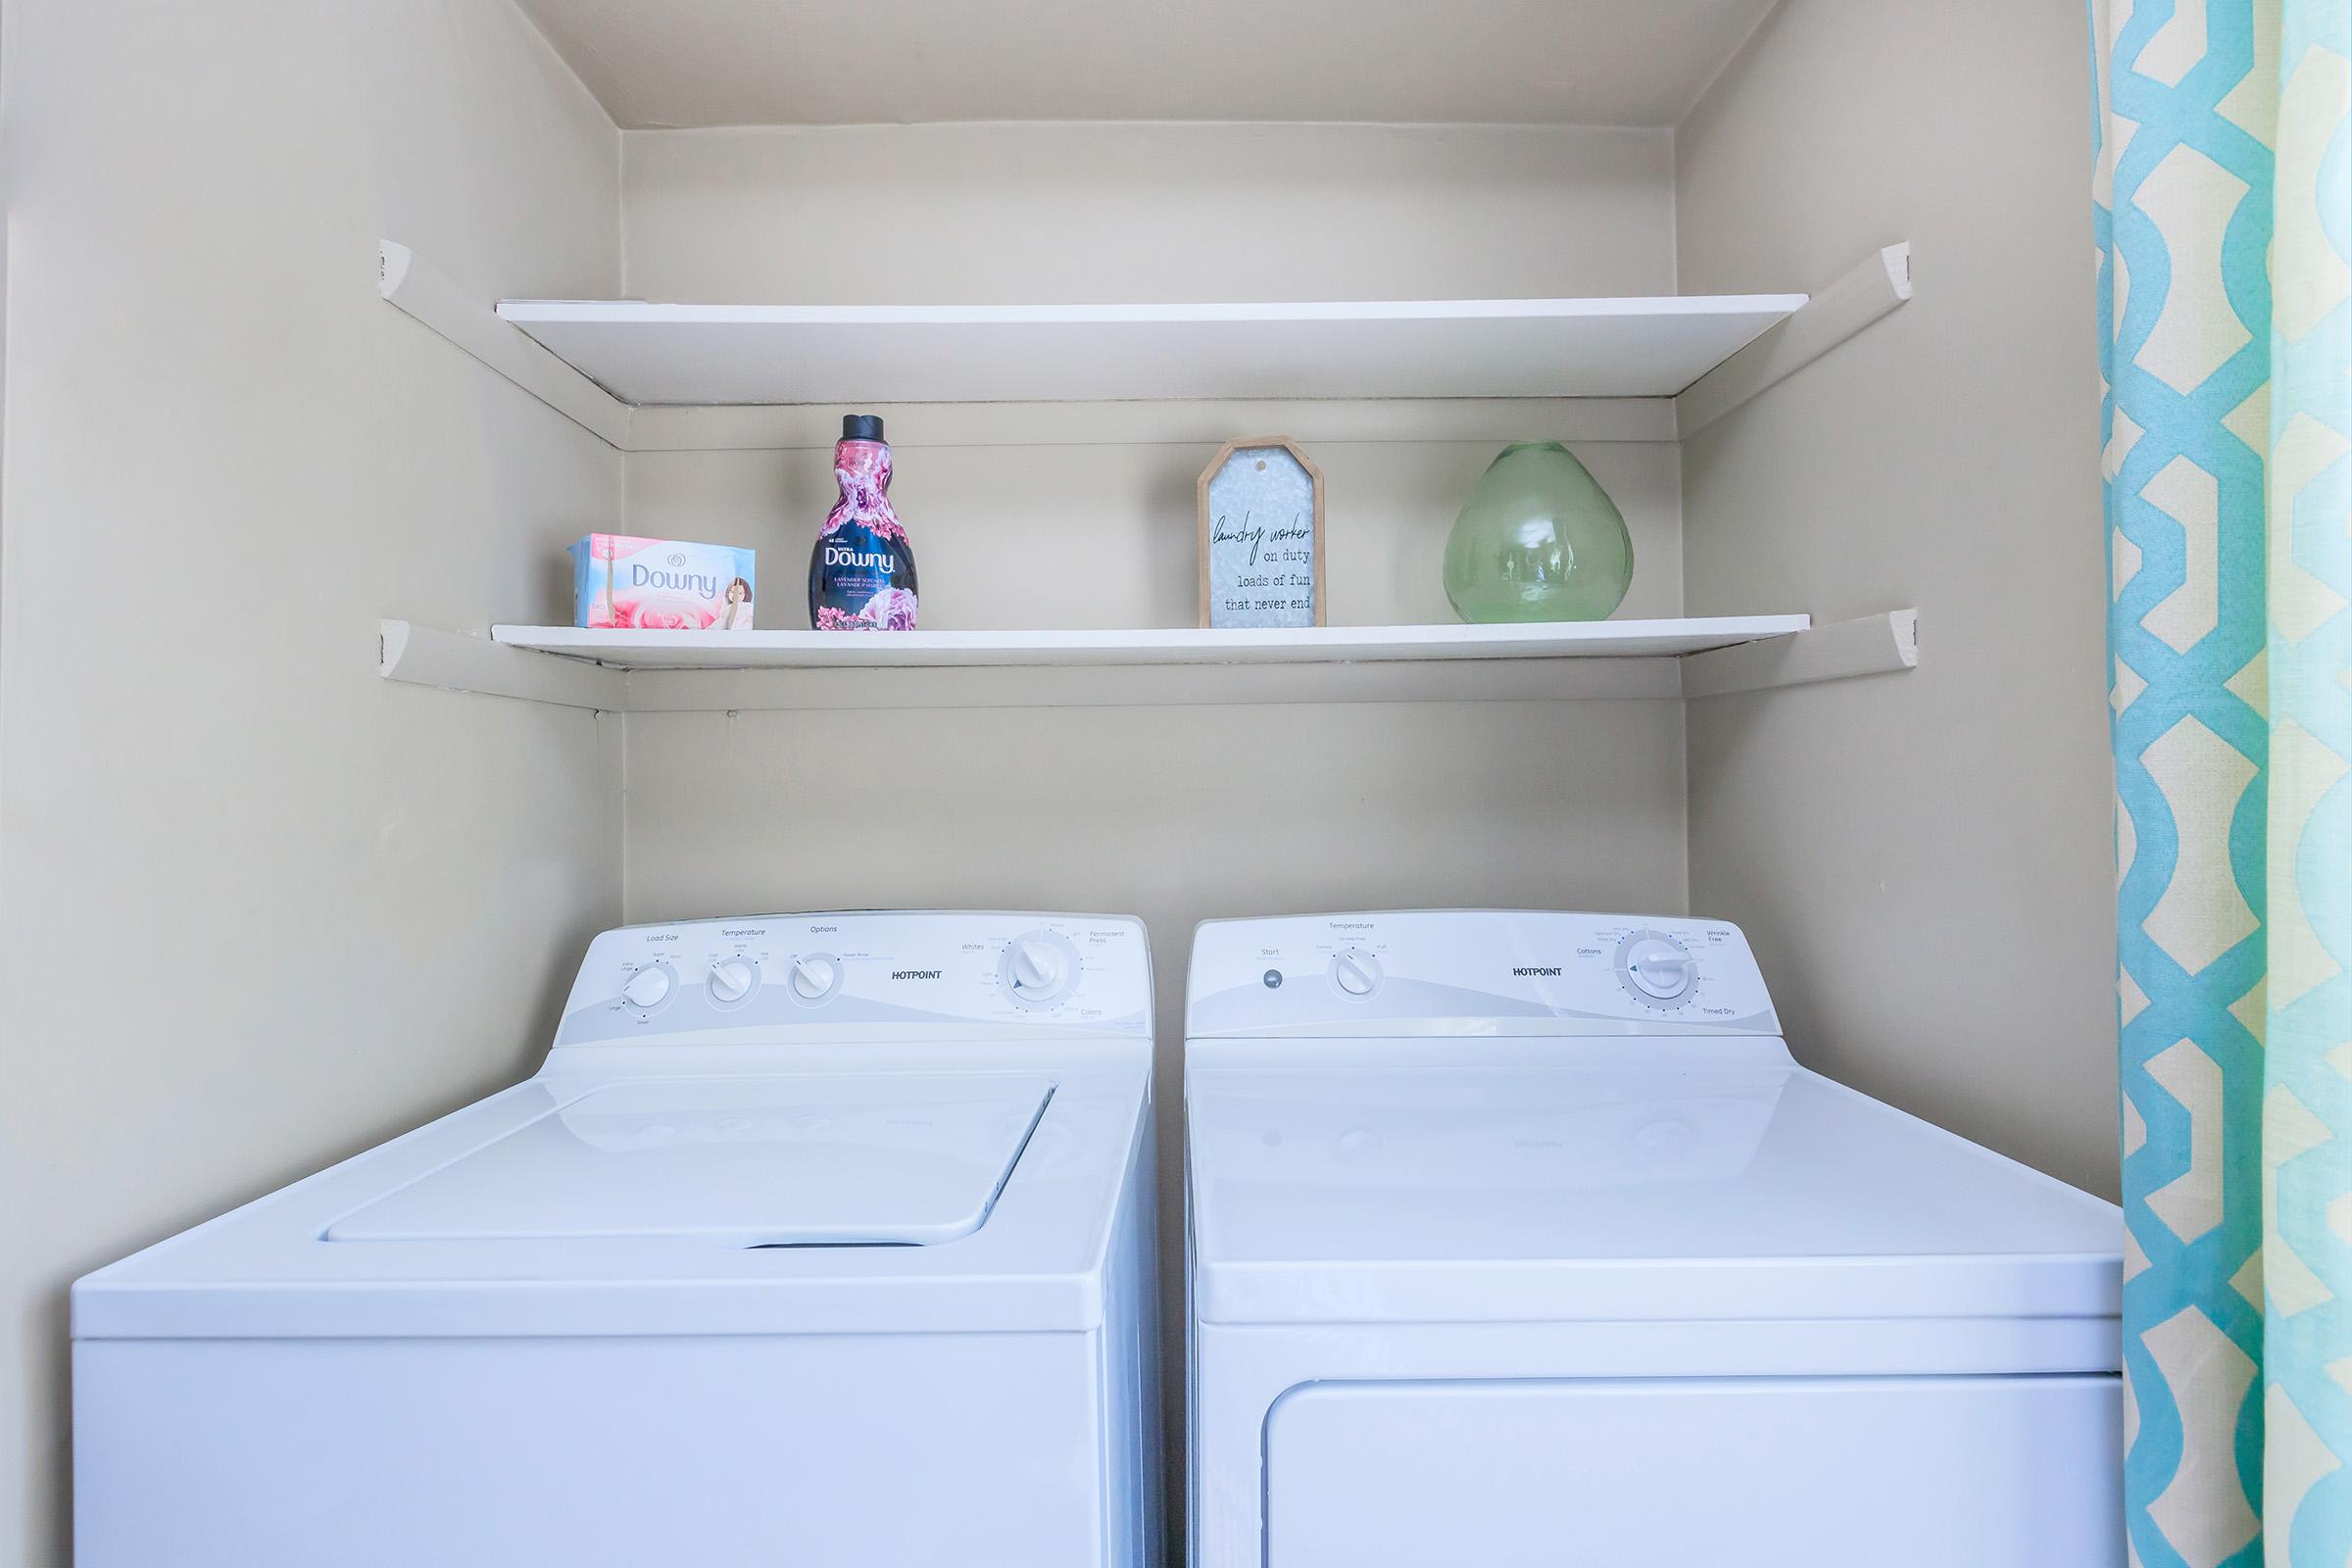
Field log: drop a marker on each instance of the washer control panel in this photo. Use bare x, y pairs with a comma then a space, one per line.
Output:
920, 974
1475, 971
1039, 967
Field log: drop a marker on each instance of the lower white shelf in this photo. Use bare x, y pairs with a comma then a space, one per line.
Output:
654, 672
1184, 645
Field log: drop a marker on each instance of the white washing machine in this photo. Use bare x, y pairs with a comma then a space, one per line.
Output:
1520, 1238
817, 1239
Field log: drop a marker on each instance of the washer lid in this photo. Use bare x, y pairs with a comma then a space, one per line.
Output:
868, 1160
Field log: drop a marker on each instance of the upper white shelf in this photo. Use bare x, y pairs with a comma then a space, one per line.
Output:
658, 671
1310, 645
705, 355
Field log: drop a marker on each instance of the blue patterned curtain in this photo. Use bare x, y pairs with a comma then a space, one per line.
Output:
2224, 218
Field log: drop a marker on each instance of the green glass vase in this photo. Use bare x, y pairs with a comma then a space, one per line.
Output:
1537, 540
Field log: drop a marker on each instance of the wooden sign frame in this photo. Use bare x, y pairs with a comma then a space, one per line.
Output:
1314, 474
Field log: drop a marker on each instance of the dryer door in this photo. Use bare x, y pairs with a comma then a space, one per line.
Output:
1929, 1472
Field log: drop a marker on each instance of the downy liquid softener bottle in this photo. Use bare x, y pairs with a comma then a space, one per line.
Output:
861, 575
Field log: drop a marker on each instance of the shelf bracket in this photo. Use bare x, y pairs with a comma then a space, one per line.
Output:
453, 663
1869, 291
427, 294
1873, 645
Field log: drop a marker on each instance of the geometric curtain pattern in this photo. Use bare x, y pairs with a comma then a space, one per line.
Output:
2307, 1107
2221, 214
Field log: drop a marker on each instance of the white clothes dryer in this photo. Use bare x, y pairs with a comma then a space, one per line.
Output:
816, 1238
1520, 1238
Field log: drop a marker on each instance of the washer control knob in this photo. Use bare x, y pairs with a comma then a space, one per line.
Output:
1355, 972
648, 986
1659, 968
814, 975
732, 979
1035, 966
1038, 968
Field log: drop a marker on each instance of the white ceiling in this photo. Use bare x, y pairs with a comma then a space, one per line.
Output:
662, 63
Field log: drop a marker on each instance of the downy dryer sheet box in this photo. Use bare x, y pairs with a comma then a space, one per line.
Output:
620, 580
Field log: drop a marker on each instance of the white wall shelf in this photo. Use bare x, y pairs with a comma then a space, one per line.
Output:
650, 378
652, 355
651, 672
1187, 645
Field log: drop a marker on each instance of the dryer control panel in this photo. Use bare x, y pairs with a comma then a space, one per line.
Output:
1474, 972
863, 975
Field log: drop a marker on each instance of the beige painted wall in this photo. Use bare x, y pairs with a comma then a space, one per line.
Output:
985, 214
1924, 861
258, 908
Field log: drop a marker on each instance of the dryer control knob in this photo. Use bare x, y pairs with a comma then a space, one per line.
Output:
732, 979
1659, 967
1355, 972
648, 986
814, 975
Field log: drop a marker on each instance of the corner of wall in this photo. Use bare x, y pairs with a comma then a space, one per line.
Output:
1946, 457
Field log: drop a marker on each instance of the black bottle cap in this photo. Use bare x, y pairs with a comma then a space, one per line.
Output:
862, 427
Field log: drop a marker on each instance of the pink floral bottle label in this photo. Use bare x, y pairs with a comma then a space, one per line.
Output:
862, 573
